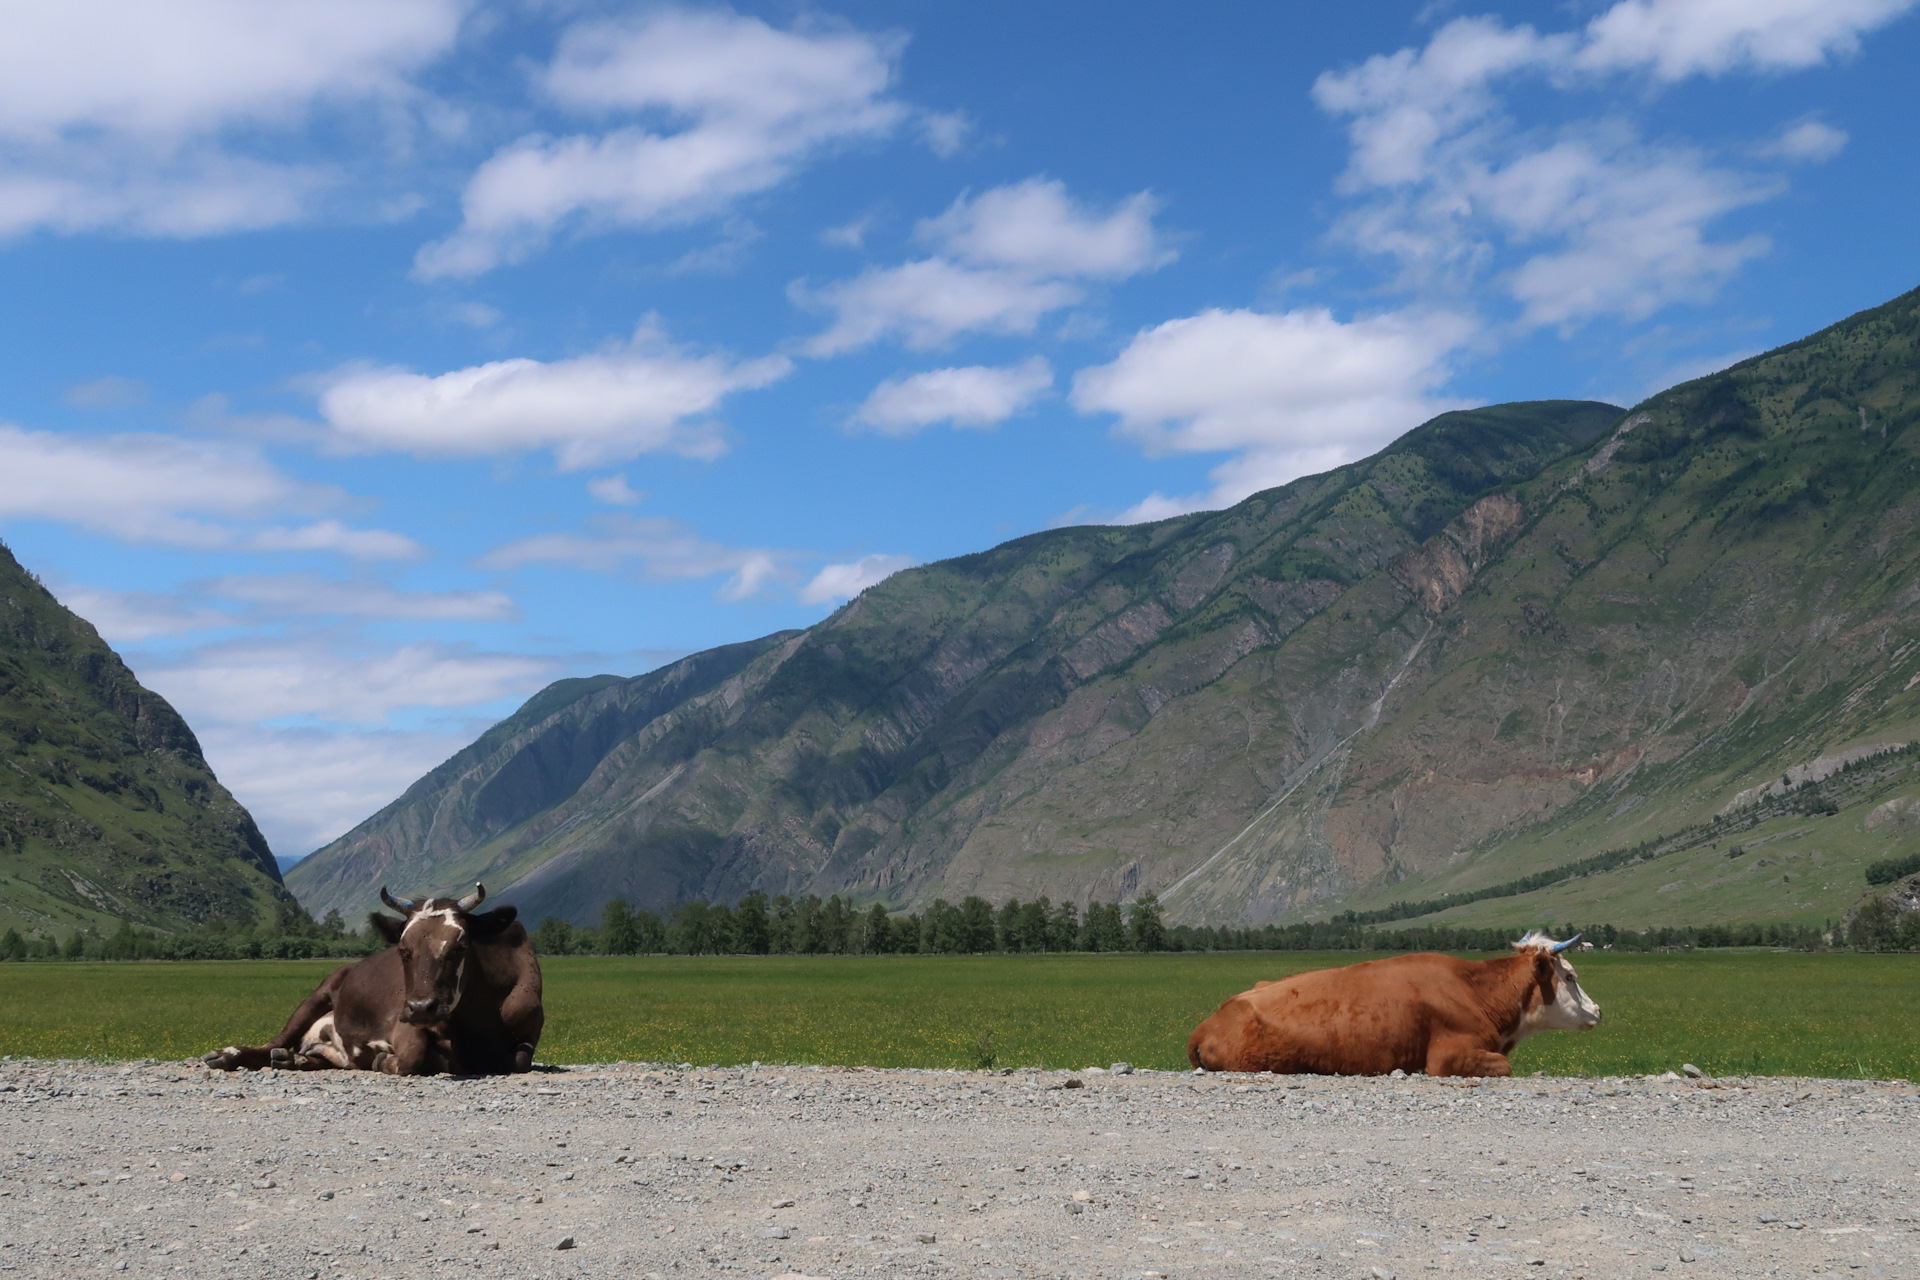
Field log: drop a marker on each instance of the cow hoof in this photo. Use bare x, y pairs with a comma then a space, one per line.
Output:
227, 1059
383, 1061
523, 1058
280, 1058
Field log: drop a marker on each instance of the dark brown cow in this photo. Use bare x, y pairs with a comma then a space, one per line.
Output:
458, 991
1414, 1013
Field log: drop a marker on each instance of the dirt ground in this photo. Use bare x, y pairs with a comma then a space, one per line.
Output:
644, 1171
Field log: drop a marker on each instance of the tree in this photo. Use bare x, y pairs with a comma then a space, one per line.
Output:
554, 937
1144, 927
617, 936
334, 926
835, 927
1030, 926
13, 946
780, 925
1006, 925
1063, 927
976, 924
690, 931
751, 926
806, 926
1104, 929
76, 948
878, 934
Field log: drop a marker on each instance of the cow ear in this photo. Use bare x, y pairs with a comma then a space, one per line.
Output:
1547, 975
386, 926
489, 924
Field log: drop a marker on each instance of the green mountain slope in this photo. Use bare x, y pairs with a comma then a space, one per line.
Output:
108, 812
1516, 639
862, 753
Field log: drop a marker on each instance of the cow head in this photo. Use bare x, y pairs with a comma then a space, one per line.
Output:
1556, 1002
434, 941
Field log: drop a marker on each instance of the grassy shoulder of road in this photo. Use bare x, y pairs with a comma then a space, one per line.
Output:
1730, 1012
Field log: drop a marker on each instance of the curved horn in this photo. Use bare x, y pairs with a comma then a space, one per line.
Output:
474, 899
403, 905
1558, 947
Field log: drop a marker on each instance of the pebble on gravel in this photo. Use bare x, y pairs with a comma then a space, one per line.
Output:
1692, 1072
564, 1242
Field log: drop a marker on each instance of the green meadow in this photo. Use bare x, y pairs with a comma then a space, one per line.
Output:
1730, 1012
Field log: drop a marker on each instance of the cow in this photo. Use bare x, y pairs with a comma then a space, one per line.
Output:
457, 990
1415, 1013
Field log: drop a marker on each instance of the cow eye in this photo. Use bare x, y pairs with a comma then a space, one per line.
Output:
406, 953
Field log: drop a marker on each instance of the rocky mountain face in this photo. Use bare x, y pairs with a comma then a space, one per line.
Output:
1516, 638
108, 811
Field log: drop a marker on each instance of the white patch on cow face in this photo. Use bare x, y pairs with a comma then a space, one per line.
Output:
1571, 1008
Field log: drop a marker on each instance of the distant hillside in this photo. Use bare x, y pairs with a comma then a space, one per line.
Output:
107, 809
1673, 650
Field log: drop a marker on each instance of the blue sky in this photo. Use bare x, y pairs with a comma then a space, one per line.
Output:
372, 363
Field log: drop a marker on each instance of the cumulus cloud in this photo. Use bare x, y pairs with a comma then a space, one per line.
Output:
663, 549
614, 491
174, 491
110, 392
1004, 259
316, 678
1809, 141
123, 115
1288, 393
974, 396
755, 103
252, 600
306, 787
1588, 220
845, 581
637, 397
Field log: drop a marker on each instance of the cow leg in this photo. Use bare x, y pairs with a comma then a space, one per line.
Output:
283, 1049
1463, 1057
524, 1017
416, 1051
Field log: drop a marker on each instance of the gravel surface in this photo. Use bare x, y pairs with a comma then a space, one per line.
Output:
657, 1171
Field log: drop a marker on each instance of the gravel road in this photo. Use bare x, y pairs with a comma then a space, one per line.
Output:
642, 1171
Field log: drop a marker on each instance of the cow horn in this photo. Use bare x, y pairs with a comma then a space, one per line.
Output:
1558, 947
474, 899
403, 905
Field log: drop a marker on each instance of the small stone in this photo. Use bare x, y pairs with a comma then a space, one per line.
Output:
1397, 1074
324, 1195
1796, 1226
1686, 1255
176, 1177
1121, 1068
264, 1184
1084, 1197
926, 1237
1189, 1173
564, 1242
1380, 1273
1769, 1217
856, 1202
423, 1217
1074, 1082
1499, 1223
783, 1204
1692, 1072
1074, 1206
773, 1233
1536, 1262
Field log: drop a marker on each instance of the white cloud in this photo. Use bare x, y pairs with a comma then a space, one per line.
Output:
614, 491
305, 787
945, 132
756, 103
974, 396
1676, 39
110, 392
637, 397
128, 617
1809, 141
1005, 259
123, 114
165, 489
1289, 393
845, 581
664, 549
1036, 227
309, 594
1587, 220
929, 303
314, 677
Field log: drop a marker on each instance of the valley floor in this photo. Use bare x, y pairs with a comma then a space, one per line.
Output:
650, 1172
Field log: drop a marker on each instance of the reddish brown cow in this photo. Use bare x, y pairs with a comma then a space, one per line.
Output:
458, 990
1414, 1013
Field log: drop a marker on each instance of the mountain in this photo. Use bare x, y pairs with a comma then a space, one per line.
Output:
108, 811
1534, 661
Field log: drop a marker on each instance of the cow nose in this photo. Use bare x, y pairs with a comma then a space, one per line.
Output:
418, 1007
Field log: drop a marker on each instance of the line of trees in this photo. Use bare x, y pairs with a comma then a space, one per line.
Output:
758, 925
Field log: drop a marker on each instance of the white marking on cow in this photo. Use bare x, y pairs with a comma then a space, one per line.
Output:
323, 1041
451, 915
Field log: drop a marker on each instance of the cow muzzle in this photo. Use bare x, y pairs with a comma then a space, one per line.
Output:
424, 1011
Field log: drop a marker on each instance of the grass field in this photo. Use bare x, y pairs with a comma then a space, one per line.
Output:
1733, 1013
